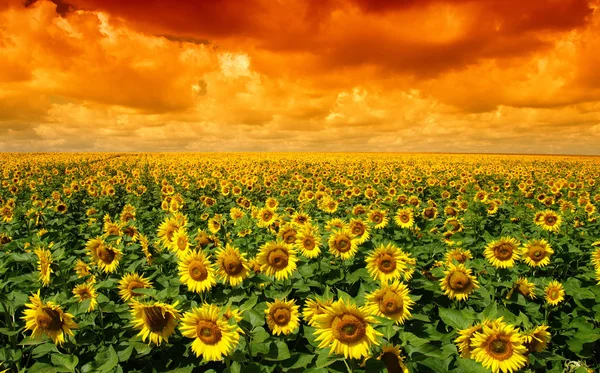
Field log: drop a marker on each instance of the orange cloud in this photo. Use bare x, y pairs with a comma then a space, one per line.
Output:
476, 76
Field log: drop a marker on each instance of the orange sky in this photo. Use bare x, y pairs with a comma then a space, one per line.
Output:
502, 76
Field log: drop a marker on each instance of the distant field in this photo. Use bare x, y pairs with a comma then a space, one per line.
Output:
167, 262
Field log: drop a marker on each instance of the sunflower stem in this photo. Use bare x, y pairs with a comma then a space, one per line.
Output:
348, 366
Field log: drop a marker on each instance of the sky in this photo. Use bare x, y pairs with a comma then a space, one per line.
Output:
482, 76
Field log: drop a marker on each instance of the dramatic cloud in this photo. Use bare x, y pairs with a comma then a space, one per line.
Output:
334, 75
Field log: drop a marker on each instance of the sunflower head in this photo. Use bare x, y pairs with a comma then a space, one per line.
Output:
458, 282
129, 283
277, 259
392, 358
47, 318
525, 288
343, 244
308, 242
214, 336
313, 308
536, 253
156, 321
388, 262
84, 292
391, 301
555, 293
502, 253
282, 316
196, 271
232, 266
458, 254
536, 340
499, 347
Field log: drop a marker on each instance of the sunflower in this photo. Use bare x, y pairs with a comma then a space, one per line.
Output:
313, 308
266, 217
214, 337
231, 313
393, 360
167, 229
360, 229
343, 244
391, 301
551, 221
86, 291
387, 263
232, 266
459, 254
47, 318
107, 258
536, 253
537, 339
555, 293
379, 218
157, 320
288, 234
596, 254
300, 218
502, 253
196, 271
44, 262
282, 316
463, 341
346, 329
405, 217
214, 224
335, 223
81, 268
309, 243
277, 259
499, 347
129, 283
525, 288
459, 282
180, 244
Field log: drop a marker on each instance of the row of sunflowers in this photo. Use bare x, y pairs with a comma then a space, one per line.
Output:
294, 263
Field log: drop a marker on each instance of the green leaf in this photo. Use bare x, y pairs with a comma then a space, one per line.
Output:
43, 350
458, 319
107, 360
278, 351
67, 361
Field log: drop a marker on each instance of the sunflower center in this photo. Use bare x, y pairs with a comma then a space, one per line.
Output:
554, 294
503, 251
536, 253
208, 332
429, 213
135, 285
105, 254
308, 243
266, 216
377, 218
349, 328
459, 281
84, 294
500, 348
278, 258
232, 264
343, 244
289, 237
197, 270
459, 257
404, 218
49, 319
550, 220
386, 263
156, 319
182, 243
358, 230
281, 316
391, 304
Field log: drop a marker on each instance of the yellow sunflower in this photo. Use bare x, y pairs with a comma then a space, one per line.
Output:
288, 234
282, 316
214, 337
277, 259
196, 271
502, 253
537, 339
81, 268
44, 262
180, 244
387, 263
551, 221
525, 288
157, 320
47, 318
555, 293
232, 266
536, 253
499, 348
405, 217
391, 301
343, 244
379, 218
463, 341
86, 291
129, 283
168, 227
430, 213
360, 229
308, 242
393, 360
459, 254
596, 254
266, 217
313, 308
459, 282
346, 329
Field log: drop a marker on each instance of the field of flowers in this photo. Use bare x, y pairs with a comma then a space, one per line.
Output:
299, 263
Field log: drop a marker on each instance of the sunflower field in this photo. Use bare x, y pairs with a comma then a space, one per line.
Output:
299, 263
